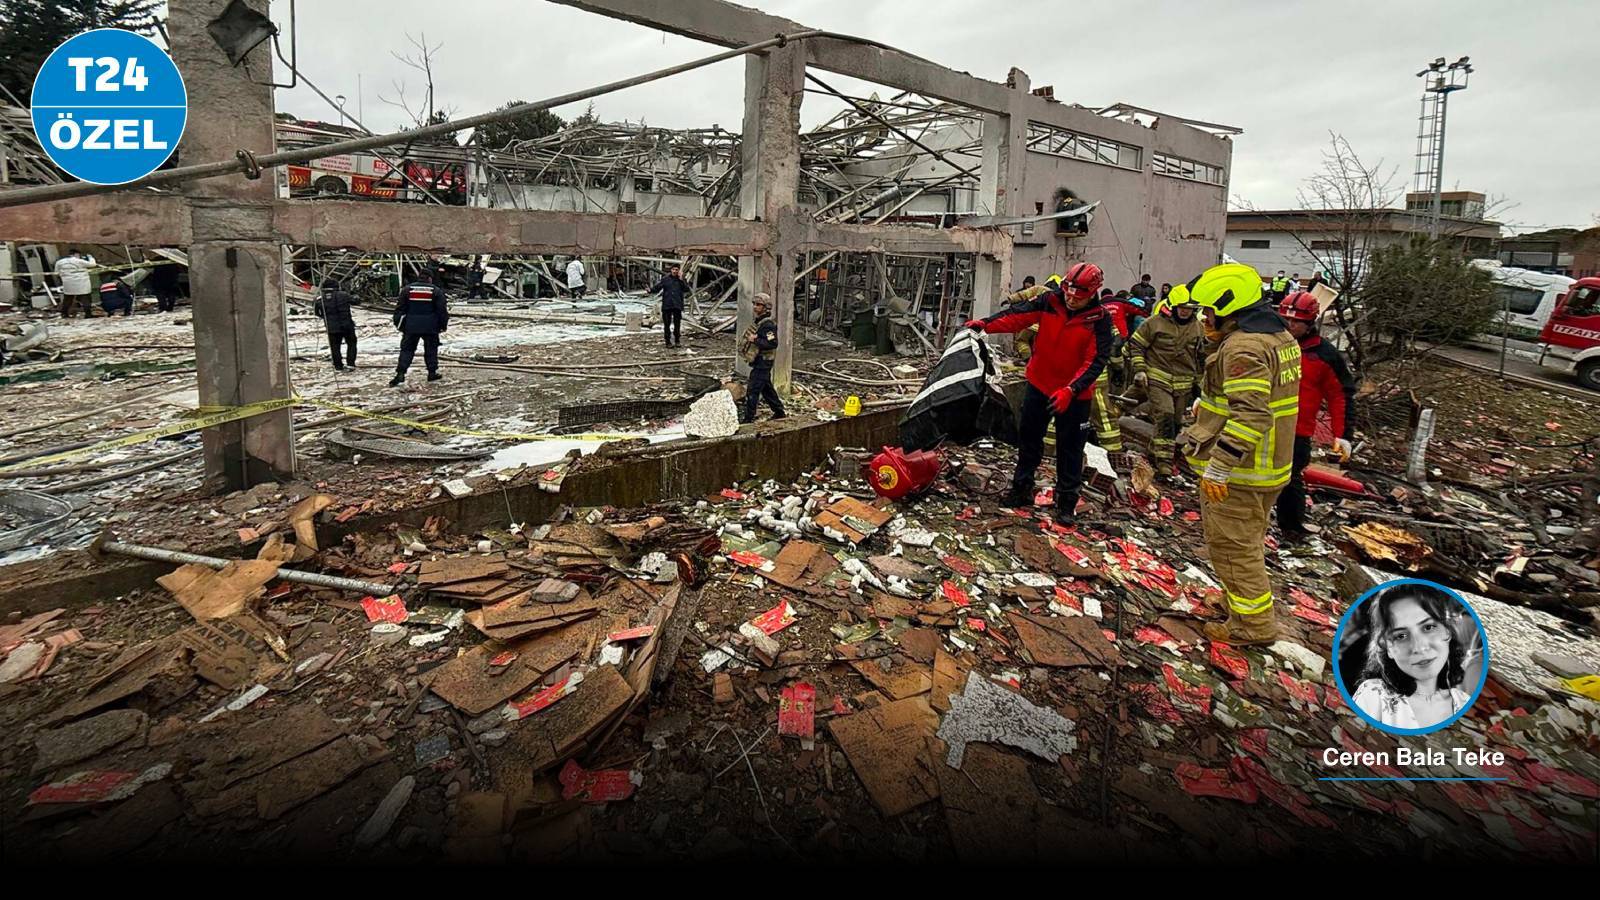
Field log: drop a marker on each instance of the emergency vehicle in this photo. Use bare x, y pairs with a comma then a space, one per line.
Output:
1570, 339
444, 174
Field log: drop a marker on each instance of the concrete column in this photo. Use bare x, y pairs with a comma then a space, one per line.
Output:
999, 194
769, 160
235, 263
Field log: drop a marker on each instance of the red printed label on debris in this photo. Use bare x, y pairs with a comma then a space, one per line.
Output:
631, 634
839, 707
959, 566
1332, 699
521, 709
1254, 740
775, 619
1194, 697
1214, 783
598, 786
1155, 703
977, 624
731, 494
955, 594
1564, 781
1229, 660
389, 609
753, 560
84, 787
1149, 634
1315, 616
797, 706
398, 568
966, 514
1066, 599
1077, 557
1301, 598
1303, 691
1248, 770
504, 658
1191, 516
1165, 507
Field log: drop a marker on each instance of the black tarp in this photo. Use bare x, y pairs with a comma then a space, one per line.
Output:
960, 401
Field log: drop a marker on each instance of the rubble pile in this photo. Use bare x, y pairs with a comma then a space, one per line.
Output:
781, 669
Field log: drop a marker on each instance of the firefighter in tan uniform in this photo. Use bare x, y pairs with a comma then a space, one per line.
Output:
1242, 441
1165, 353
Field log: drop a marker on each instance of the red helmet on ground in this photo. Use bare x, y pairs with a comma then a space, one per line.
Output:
1299, 306
1083, 280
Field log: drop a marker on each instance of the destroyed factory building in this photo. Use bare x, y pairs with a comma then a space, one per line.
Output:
262, 600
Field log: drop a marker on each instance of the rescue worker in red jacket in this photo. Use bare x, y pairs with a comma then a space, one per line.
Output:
1324, 378
1072, 349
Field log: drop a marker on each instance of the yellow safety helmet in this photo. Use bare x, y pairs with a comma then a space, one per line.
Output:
1053, 280
1178, 296
1225, 289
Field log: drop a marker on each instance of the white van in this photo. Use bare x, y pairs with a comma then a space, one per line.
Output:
1527, 298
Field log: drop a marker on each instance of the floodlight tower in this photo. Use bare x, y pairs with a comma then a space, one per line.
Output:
1439, 81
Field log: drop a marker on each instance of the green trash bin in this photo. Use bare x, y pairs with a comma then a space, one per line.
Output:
863, 330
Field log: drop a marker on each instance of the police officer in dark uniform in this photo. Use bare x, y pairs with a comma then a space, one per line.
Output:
115, 295
333, 308
421, 315
759, 348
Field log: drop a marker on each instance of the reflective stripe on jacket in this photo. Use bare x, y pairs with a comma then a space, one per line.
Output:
1168, 351
1249, 406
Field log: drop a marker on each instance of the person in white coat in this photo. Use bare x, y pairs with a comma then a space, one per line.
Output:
575, 278
73, 270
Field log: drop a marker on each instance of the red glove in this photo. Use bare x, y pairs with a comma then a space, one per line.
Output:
1060, 400
974, 325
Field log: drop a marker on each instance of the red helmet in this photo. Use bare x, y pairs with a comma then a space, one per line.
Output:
1083, 280
1299, 306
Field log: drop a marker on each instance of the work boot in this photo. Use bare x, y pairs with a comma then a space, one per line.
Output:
434, 376
397, 381
1256, 630
1018, 498
1065, 517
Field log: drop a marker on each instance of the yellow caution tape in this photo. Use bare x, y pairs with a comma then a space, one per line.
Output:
206, 420
212, 416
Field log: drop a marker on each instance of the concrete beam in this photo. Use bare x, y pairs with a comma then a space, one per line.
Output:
731, 25
849, 238
390, 226
145, 219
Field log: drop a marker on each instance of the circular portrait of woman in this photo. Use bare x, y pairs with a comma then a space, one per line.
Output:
1410, 656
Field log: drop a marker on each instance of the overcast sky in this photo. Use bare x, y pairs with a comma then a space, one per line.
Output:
1287, 72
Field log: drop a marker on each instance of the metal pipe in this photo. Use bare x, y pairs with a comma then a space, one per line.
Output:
246, 162
179, 557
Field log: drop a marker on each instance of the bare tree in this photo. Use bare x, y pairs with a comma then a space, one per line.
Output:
425, 112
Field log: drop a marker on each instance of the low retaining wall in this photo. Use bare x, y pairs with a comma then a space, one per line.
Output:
780, 450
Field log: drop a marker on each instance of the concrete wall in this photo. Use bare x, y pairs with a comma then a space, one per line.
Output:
1286, 253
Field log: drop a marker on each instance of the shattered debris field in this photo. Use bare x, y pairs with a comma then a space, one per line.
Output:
790, 668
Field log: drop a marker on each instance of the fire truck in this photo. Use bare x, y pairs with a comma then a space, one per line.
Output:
443, 171
1570, 338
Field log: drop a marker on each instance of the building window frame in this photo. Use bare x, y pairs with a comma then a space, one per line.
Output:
1186, 169
1255, 244
1053, 140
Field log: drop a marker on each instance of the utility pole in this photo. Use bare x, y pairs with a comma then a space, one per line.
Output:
1439, 81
